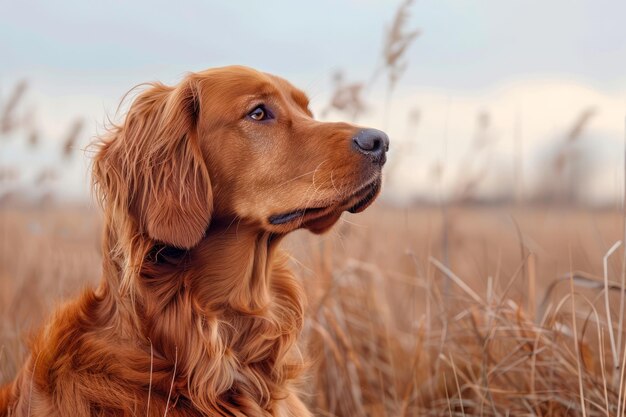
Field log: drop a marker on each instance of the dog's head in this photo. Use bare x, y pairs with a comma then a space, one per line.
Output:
234, 145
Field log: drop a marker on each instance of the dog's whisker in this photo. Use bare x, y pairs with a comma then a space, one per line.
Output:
332, 171
308, 198
313, 197
295, 178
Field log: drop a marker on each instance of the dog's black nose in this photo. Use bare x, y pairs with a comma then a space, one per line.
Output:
373, 143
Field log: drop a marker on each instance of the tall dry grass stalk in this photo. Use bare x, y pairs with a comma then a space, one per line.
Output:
69, 144
8, 119
567, 168
347, 97
398, 39
623, 271
477, 161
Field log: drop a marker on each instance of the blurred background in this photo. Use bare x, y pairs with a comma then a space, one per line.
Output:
516, 100
503, 191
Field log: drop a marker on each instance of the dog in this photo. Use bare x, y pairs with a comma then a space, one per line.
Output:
197, 313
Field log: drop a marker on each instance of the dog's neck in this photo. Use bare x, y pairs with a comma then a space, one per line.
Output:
227, 313
235, 267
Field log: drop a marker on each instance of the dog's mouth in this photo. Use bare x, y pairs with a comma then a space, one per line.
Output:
312, 216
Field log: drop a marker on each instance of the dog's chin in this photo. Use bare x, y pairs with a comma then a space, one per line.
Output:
318, 219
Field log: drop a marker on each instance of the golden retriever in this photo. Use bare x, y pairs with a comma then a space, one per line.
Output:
197, 313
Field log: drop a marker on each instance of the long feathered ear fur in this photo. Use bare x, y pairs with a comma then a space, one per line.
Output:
151, 167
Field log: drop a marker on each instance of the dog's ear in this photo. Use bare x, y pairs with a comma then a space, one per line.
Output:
151, 167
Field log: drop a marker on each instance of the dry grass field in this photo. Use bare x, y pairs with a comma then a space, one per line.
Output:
460, 310
467, 311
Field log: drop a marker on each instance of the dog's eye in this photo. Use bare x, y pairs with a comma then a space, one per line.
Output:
260, 113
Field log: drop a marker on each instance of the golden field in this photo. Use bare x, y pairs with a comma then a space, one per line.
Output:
426, 310
460, 310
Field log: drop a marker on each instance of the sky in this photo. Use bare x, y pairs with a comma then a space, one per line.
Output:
532, 65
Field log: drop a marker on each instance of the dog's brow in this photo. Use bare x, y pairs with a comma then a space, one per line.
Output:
261, 96
300, 98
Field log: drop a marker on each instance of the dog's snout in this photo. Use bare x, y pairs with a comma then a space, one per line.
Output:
373, 143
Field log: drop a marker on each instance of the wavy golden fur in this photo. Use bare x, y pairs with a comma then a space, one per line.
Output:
197, 313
